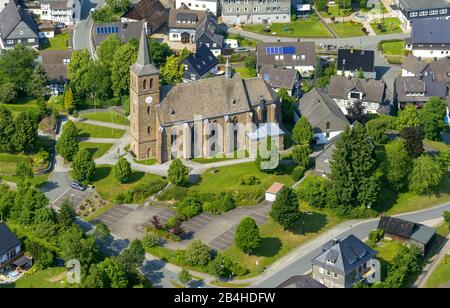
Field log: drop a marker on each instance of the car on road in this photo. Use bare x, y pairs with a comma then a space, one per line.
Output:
241, 50
78, 186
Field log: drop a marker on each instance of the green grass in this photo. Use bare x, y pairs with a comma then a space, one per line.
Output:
59, 42
245, 72
147, 162
441, 275
25, 105
386, 253
108, 117
37, 181
333, 10
243, 42
97, 150
392, 25
347, 29
94, 131
220, 157
8, 162
100, 211
438, 146
223, 284
311, 27
227, 179
41, 279
108, 187
395, 47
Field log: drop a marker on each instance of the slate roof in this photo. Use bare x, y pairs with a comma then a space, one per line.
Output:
306, 49
396, 226
212, 97
413, 84
202, 61
423, 234
279, 77
414, 5
208, 27
373, 90
322, 161
430, 31
441, 69
12, 16
175, 15
59, 4
8, 240
343, 256
319, 109
354, 60
414, 65
127, 31
53, 62
302, 282
150, 11
144, 64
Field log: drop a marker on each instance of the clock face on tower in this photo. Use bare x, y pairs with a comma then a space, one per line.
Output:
149, 100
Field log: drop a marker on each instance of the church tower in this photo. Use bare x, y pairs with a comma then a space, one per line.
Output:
144, 97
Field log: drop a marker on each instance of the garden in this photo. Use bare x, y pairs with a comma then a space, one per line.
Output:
393, 50
106, 116
348, 28
59, 42
93, 131
386, 26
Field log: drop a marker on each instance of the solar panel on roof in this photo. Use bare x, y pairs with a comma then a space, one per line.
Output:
288, 50
280, 50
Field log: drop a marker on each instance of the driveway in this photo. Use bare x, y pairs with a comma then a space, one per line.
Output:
76, 197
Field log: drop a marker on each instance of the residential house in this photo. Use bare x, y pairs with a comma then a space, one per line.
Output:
422, 80
302, 282
55, 63
207, 34
201, 5
17, 27
46, 30
10, 248
347, 90
278, 78
60, 11
235, 12
152, 12
324, 158
183, 23
295, 55
430, 38
325, 117
353, 62
199, 65
409, 10
407, 232
124, 31
342, 263
164, 120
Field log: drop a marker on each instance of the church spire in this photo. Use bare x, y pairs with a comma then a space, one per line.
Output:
144, 64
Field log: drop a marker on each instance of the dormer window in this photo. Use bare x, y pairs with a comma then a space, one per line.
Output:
172, 112
234, 102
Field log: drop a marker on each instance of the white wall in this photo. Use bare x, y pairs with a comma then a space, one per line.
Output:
198, 5
270, 197
405, 73
431, 53
321, 138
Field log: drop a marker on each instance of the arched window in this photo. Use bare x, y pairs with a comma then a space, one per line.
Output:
148, 109
148, 130
148, 152
151, 83
145, 84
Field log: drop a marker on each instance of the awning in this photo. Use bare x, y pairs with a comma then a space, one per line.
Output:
23, 260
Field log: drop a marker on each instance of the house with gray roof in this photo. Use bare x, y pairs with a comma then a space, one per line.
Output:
346, 90
325, 117
278, 78
152, 12
323, 159
9, 246
293, 55
203, 5
407, 232
256, 11
199, 65
183, 24
302, 282
60, 11
430, 38
412, 10
350, 62
344, 262
208, 34
413, 66
124, 31
17, 27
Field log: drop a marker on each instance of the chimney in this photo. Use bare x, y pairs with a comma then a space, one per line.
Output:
228, 69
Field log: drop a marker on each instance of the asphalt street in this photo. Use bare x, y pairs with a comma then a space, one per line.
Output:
81, 35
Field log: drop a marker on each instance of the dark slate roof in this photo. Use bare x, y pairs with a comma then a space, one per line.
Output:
11, 16
396, 226
126, 31
354, 60
441, 69
266, 52
413, 5
195, 17
343, 256
150, 11
423, 234
279, 77
414, 65
413, 84
209, 27
319, 109
8, 240
202, 61
431, 31
373, 90
144, 65
53, 62
302, 282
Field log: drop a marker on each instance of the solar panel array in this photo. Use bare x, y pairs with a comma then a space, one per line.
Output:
107, 30
280, 50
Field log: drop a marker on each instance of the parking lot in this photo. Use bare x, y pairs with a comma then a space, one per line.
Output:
76, 197
114, 214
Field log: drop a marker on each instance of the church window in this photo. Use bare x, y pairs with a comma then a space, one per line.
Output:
145, 84
148, 110
148, 130
151, 83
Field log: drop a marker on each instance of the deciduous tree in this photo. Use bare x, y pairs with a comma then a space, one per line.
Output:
122, 170
398, 164
178, 173
67, 145
172, 71
247, 236
83, 166
432, 118
285, 208
426, 175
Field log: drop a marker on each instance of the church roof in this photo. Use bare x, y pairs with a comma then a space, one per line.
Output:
144, 65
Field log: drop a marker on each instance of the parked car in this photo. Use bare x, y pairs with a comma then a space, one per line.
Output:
78, 186
241, 50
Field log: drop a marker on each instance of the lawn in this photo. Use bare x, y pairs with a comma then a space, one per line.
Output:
333, 10
311, 27
108, 117
390, 25
59, 42
48, 278
147, 162
8, 162
94, 131
97, 150
347, 29
108, 187
386, 253
243, 42
393, 50
245, 72
441, 275
37, 181
22, 106
220, 157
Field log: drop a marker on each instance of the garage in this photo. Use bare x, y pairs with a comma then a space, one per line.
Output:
271, 193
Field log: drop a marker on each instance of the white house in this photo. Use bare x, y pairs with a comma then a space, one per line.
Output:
430, 38
272, 192
60, 11
201, 5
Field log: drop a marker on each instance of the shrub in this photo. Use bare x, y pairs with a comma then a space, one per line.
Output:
224, 203
333, 18
249, 180
223, 267
163, 234
298, 173
376, 235
189, 207
197, 254
243, 198
122, 170
314, 192
178, 173
124, 198
143, 191
173, 193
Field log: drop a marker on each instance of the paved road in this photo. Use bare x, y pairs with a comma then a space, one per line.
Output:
302, 264
81, 35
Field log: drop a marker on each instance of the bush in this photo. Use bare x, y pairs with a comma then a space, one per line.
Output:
178, 173
224, 203
376, 235
189, 207
173, 193
143, 191
314, 192
122, 170
249, 180
197, 254
224, 267
298, 173
244, 198
124, 198
152, 240
163, 234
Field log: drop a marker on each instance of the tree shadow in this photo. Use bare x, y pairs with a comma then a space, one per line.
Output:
49, 186
101, 173
135, 176
311, 222
437, 243
270, 246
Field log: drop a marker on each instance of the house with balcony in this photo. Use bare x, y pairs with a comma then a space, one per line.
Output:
10, 247
236, 12
183, 24
430, 38
60, 11
410, 10
344, 262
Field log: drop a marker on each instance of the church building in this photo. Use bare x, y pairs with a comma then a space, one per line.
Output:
204, 118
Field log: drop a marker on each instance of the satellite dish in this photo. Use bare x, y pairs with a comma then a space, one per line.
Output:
149, 100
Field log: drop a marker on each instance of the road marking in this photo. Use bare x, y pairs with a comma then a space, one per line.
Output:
60, 196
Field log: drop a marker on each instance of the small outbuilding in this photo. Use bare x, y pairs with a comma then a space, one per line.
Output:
272, 192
